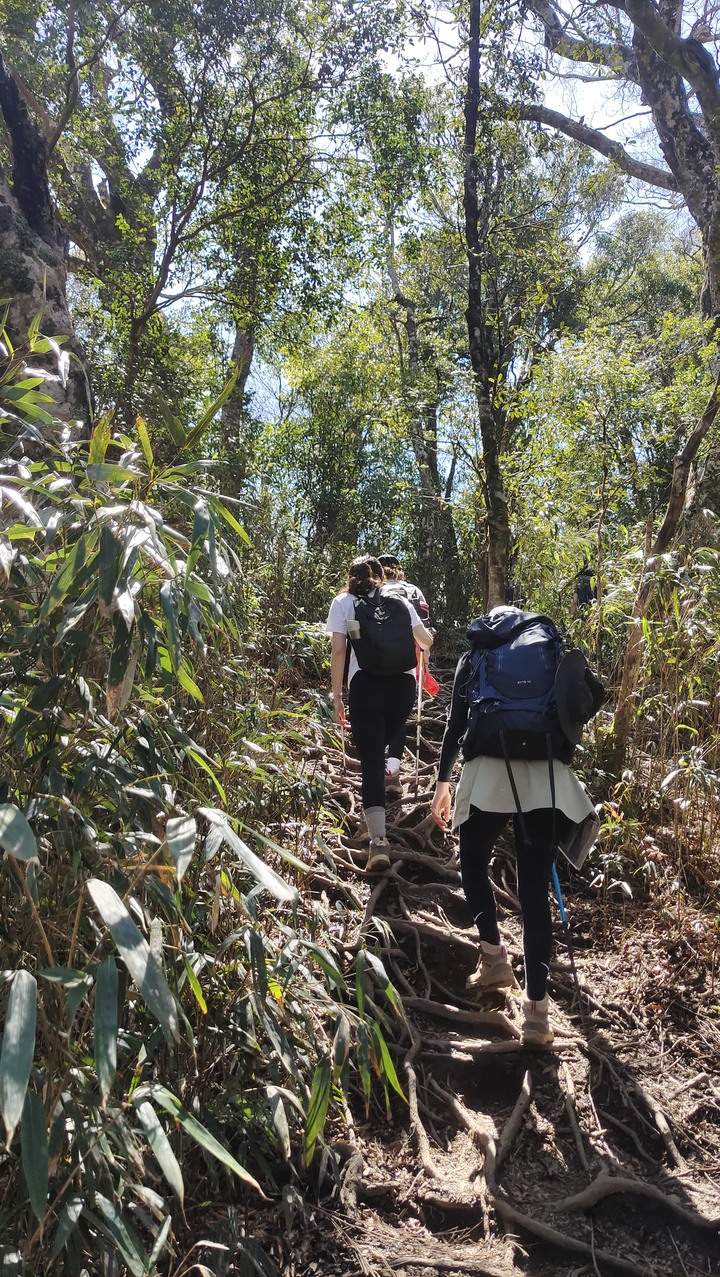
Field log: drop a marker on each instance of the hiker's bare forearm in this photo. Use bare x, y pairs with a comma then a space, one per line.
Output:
337, 664
423, 637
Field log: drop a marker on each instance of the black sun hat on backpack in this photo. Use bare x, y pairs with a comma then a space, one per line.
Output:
578, 694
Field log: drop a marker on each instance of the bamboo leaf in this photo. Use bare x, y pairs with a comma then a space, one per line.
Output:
386, 984
76, 558
266, 876
16, 836
196, 1131
211, 413
196, 987
188, 683
332, 972
34, 326
230, 519
175, 428
69, 1216
284, 854
318, 1106
180, 834
362, 1056
169, 603
100, 438
200, 761
360, 980
144, 437
109, 562
134, 950
384, 1059
258, 962
110, 472
118, 1228
159, 1244
34, 1140
25, 507
76, 613
18, 1049
106, 1025
341, 1044
123, 664
200, 531
161, 1147
280, 1122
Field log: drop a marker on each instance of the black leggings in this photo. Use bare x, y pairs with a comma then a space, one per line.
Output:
478, 835
378, 709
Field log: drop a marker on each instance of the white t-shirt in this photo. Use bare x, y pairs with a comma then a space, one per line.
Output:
411, 593
342, 610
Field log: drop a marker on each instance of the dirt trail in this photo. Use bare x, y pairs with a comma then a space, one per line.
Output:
599, 1155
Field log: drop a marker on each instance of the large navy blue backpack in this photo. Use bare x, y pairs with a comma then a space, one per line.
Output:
511, 688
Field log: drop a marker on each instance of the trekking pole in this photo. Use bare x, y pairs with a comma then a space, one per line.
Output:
342, 737
419, 720
568, 944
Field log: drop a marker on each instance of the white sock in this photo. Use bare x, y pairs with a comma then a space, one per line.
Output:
542, 1004
492, 950
375, 821
392, 765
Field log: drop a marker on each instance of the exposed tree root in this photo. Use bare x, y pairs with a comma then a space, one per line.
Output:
579, 1104
605, 1185
563, 1241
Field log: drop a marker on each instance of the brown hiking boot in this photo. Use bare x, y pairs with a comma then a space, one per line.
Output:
378, 856
493, 971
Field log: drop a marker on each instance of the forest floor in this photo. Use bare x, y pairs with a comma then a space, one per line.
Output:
597, 1155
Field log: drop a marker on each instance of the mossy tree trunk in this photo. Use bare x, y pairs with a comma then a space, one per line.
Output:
32, 259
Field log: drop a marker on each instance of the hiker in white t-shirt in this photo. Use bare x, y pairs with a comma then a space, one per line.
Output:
397, 583
378, 704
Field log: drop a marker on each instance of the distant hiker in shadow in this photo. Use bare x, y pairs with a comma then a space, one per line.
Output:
584, 590
398, 584
518, 709
382, 629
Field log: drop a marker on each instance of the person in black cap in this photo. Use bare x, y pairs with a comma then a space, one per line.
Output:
484, 803
397, 584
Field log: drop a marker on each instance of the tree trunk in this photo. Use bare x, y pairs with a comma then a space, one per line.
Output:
625, 710
480, 338
233, 415
32, 261
436, 526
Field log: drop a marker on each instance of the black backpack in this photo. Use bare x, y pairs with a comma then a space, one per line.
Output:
511, 688
385, 644
585, 588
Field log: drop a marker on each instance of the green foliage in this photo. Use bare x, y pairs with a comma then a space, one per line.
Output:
168, 988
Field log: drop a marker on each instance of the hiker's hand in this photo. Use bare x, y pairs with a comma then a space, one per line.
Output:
441, 804
338, 710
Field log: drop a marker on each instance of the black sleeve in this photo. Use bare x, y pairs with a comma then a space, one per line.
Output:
457, 719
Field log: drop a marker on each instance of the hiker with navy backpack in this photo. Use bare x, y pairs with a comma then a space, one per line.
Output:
519, 704
382, 630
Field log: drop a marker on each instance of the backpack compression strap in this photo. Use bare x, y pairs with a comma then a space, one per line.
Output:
516, 796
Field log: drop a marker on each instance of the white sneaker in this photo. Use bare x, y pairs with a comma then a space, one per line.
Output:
378, 858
